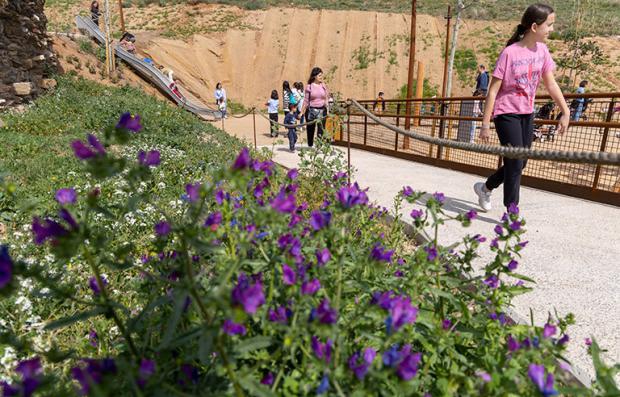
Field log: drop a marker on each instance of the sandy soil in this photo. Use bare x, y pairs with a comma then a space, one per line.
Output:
252, 52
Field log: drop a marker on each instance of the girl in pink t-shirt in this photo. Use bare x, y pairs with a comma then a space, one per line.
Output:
510, 100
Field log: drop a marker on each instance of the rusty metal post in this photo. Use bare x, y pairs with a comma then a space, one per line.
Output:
365, 128
445, 61
122, 18
610, 113
254, 124
442, 126
349, 143
419, 92
410, 75
398, 114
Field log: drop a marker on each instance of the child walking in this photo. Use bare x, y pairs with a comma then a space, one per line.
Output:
510, 101
272, 108
289, 120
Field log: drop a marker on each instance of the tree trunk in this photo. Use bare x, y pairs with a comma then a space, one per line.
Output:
455, 36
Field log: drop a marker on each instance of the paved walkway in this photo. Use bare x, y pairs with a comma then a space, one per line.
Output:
573, 254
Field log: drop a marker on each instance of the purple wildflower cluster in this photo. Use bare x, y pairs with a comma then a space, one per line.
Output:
400, 310
129, 122
323, 256
349, 196
92, 372
232, 328
381, 254
84, 151
320, 219
322, 351
248, 293
324, 313
280, 315
404, 361
6, 267
48, 229
31, 373
360, 367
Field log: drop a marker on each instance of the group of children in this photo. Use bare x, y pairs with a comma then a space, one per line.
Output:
292, 102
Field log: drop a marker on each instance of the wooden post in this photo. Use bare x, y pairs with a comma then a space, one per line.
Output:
610, 113
254, 123
109, 50
445, 61
410, 75
419, 91
365, 128
120, 13
349, 143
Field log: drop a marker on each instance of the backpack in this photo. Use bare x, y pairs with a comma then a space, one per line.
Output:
293, 99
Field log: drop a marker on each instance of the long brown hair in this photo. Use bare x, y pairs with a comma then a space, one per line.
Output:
535, 14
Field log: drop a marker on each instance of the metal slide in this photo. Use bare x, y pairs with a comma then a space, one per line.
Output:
148, 71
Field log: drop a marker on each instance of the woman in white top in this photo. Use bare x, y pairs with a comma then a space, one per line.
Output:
220, 99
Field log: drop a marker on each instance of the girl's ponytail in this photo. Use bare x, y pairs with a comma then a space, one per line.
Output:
517, 35
535, 14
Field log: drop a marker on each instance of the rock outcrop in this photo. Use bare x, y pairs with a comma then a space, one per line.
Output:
26, 56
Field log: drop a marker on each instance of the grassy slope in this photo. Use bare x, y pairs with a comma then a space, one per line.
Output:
34, 146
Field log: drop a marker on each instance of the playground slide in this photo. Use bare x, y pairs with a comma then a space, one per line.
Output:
148, 71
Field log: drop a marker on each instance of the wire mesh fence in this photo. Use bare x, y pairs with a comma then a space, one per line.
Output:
595, 126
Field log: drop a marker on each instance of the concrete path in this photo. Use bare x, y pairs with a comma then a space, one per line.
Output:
573, 254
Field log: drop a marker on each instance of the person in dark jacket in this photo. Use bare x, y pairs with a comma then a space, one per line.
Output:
94, 12
482, 80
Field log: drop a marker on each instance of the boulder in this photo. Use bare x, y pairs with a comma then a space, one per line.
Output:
48, 84
22, 89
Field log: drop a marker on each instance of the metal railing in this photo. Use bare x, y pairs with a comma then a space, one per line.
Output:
455, 119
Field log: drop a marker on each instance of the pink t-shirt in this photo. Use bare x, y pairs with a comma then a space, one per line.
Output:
316, 95
520, 70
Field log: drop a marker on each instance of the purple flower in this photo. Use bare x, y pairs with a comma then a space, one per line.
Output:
162, 228
320, 219
29, 368
91, 372
288, 275
400, 313
512, 265
486, 378
324, 313
516, 225
380, 254
537, 375
150, 159
479, 238
513, 209
84, 152
193, 192
323, 256
232, 328
431, 253
440, 197
220, 196
214, 220
93, 338
146, 370
391, 356
268, 379
407, 191
417, 214
47, 230
6, 267
243, 159
249, 295
588, 341
65, 215
280, 315
523, 244
310, 287
129, 122
493, 243
284, 203
446, 324
361, 368
292, 174
349, 196
323, 386
66, 196
492, 281
512, 344
498, 230
322, 350
563, 340
471, 215
549, 330
408, 367
94, 286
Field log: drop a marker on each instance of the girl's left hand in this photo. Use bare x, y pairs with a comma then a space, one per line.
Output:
563, 124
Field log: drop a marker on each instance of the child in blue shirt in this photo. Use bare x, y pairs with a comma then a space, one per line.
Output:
290, 120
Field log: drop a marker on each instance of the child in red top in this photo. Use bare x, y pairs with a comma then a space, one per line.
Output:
519, 69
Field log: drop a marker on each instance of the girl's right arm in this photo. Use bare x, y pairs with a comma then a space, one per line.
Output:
485, 129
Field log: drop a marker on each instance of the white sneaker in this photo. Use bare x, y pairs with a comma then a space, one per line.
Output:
484, 196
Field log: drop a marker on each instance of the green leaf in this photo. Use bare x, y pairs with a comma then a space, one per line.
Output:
63, 322
173, 322
205, 346
255, 343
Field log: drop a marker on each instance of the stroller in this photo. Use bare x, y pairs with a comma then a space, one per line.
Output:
545, 132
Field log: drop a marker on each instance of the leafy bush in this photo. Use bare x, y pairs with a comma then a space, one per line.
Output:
241, 287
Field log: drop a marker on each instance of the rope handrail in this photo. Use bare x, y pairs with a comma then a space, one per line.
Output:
236, 116
506, 151
293, 125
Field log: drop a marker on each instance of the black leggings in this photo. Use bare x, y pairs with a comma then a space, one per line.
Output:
512, 130
273, 119
319, 126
